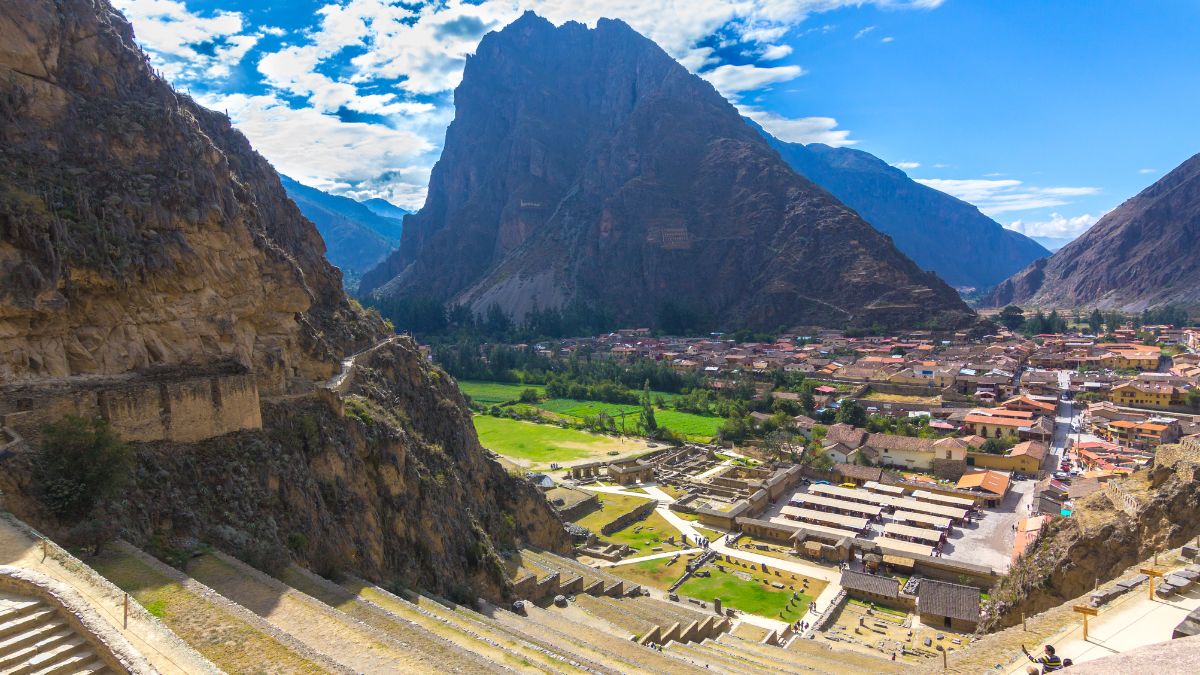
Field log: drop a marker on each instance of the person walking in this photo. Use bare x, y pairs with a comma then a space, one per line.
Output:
1049, 661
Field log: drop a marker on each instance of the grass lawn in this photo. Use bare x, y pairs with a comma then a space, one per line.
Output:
654, 530
531, 444
611, 506
688, 424
658, 573
753, 596
712, 535
488, 393
879, 608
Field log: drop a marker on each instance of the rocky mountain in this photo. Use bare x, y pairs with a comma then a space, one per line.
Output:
939, 232
146, 248
383, 207
356, 237
587, 166
1144, 253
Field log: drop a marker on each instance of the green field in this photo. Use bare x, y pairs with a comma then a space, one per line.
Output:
654, 530
611, 506
658, 573
753, 596
691, 425
490, 393
543, 443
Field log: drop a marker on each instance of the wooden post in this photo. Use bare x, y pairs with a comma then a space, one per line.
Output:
1024, 626
944, 665
1152, 573
44, 547
1086, 612
125, 619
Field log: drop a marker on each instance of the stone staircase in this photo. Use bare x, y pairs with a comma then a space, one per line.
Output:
35, 639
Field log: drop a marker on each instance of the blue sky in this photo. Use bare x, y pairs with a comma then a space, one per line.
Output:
1044, 114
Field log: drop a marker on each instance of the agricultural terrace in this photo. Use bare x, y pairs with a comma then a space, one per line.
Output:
658, 573
494, 393
536, 446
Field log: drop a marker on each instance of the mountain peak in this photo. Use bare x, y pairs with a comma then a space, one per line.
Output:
585, 166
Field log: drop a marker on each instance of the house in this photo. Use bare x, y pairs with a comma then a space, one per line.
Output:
1027, 403
1024, 457
853, 473
1147, 394
1130, 356
993, 484
944, 605
994, 422
845, 434
871, 587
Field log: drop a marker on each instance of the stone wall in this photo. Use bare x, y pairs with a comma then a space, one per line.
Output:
183, 410
626, 519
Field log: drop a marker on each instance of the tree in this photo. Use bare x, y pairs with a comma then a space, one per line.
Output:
851, 412
80, 464
1012, 317
779, 443
648, 422
529, 396
1095, 321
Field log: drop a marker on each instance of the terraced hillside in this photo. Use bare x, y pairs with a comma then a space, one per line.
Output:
245, 620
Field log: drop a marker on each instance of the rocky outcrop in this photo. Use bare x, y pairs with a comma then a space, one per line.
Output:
143, 243
140, 230
939, 232
1101, 540
1144, 253
588, 167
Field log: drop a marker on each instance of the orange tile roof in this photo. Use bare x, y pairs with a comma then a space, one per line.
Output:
991, 481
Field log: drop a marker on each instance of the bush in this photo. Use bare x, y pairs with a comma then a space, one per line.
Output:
81, 464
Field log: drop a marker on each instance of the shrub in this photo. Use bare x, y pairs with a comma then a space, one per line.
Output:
81, 463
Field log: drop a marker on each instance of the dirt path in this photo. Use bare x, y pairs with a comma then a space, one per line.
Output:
161, 647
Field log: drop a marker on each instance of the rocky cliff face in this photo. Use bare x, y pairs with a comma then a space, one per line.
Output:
1144, 253
940, 233
588, 166
140, 231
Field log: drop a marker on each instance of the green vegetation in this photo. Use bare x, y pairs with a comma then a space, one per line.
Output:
80, 465
658, 573
878, 607
611, 506
490, 393
653, 532
754, 595
543, 443
696, 427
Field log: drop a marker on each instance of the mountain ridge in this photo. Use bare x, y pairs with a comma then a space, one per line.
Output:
938, 231
1144, 253
356, 237
596, 163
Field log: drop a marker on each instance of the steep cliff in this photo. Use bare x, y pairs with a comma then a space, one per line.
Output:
142, 239
138, 229
1144, 253
1100, 540
587, 166
939, 232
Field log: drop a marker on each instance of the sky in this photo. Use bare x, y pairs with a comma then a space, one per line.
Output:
1045, 115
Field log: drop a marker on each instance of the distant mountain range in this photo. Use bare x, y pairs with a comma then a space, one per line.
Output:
358, 235
1144, 253
588, 167
939, 232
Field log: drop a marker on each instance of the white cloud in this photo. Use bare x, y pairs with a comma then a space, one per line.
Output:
331, 153
1145, 171
774, 52
996, 196
800, 130
173, 36
1059, 226
907, 165
887, 39
863, 33
731, 80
